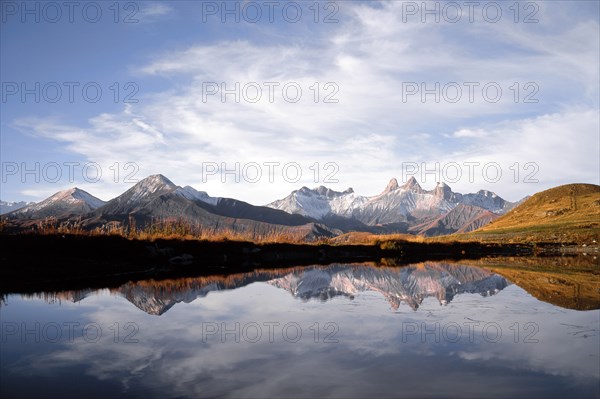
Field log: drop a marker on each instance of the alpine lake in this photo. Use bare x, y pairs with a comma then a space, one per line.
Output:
494, 327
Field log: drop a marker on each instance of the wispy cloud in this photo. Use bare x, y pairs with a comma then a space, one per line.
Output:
149, 11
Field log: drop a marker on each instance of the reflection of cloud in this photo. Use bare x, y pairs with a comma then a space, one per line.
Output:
545, 351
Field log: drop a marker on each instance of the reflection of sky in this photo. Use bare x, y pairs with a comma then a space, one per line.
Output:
373, 355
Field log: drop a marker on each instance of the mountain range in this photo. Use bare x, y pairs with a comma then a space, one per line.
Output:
310, 213
9, 206
407, 208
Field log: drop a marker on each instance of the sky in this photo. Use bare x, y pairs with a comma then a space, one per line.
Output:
254, 99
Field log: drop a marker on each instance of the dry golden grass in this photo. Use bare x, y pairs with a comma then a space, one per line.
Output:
170, 229
577, 204
363, 238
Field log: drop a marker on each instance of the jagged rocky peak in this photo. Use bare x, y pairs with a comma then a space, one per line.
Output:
392, 186
324, 191
442, 190
412, 185
486, 193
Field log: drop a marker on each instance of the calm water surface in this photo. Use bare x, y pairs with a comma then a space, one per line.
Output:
426, 330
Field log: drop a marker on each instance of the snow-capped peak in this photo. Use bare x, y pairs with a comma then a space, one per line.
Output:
395, 204
317, 202
86, 197
70, 200
73, 196
156, 182
150, 185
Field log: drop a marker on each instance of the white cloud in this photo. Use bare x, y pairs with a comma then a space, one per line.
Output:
561, 147
151, 10
469, 133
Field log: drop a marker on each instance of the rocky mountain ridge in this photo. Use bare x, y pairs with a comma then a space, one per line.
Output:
318, 212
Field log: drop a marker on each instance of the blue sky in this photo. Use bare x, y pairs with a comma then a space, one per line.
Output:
370, 54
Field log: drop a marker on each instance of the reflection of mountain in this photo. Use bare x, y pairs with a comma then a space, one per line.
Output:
157, 301
156, 297
409, 284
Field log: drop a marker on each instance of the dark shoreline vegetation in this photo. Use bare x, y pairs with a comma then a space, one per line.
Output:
34, 262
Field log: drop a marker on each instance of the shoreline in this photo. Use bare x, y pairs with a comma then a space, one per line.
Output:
53, 262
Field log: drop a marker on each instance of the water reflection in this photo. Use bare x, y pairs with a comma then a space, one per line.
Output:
410, 285
432, 329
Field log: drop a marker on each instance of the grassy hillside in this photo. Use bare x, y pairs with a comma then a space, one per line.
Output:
564, 214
